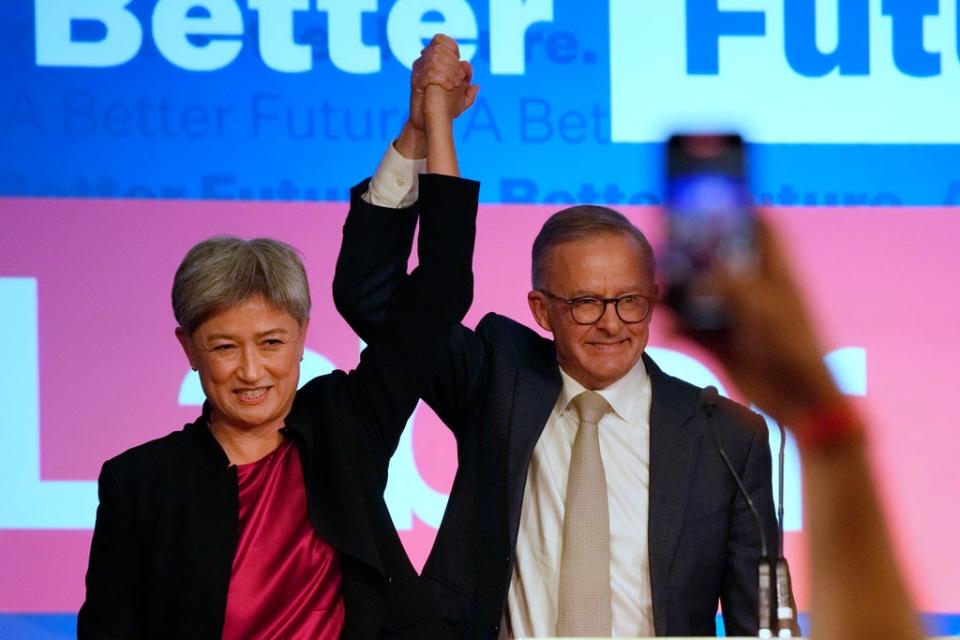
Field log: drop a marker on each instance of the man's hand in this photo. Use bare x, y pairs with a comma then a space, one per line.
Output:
447, 104
439, 65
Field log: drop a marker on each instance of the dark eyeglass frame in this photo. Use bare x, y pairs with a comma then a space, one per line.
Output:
571, 302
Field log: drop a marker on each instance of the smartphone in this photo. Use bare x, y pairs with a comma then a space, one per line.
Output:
710, 223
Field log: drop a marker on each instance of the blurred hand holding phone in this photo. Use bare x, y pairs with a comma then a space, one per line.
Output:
710, 224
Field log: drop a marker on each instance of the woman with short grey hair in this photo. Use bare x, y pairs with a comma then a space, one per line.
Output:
223, 271
265, 517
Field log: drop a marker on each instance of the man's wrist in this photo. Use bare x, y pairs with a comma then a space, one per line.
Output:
394, 184
411, 143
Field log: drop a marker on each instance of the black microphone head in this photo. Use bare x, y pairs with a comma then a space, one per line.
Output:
709, 398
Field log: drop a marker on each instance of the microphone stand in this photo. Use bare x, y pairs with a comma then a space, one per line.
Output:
785, 613
708, 399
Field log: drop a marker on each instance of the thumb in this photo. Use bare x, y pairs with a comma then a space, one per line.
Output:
470, 96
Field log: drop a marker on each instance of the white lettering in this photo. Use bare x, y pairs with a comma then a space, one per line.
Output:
277, 47
57, 48
345, 34
29, 501
509, 21
407, 31
207, 35
407, 494
173, 25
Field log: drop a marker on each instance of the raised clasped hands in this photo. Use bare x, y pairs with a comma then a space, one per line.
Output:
441, 84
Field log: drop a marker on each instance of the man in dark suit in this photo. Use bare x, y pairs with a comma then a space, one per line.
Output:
554, 437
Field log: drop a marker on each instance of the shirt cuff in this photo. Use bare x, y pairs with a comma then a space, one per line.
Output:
395, 184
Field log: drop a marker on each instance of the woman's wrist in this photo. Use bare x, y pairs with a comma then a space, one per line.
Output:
828, 424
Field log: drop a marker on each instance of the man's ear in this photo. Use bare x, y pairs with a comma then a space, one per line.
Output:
538, 307
186, 345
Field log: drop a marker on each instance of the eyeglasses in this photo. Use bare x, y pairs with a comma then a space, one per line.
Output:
631, 309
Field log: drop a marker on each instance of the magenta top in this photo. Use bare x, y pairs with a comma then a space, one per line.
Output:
285, 581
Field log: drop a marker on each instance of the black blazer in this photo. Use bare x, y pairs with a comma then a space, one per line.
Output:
495, 391
166, 530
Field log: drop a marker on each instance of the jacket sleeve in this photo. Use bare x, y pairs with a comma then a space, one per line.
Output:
372, 263
408, 349
114, 589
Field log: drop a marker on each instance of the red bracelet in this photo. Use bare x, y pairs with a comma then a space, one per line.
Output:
826, 426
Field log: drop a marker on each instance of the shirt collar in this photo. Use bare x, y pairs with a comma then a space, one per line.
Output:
623, 395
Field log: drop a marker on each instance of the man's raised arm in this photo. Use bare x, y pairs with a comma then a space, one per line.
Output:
378, 234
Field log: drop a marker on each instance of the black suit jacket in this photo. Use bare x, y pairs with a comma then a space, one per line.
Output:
495, 392
166, 530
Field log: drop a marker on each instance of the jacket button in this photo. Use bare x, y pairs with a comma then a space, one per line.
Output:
506, 558
494, 629
389, 579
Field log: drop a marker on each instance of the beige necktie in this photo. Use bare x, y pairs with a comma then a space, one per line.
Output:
585, 559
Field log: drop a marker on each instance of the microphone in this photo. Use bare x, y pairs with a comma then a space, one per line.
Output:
709, 399
785, 612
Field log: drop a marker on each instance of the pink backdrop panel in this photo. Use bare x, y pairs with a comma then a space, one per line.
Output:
110, 368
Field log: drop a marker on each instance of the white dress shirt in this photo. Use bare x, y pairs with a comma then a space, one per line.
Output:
532, 602
395, 184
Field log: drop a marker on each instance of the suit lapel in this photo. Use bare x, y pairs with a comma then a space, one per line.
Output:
215, 533
674, 443
535, 394
335, 503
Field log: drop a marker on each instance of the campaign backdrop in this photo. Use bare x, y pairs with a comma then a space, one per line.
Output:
130, 130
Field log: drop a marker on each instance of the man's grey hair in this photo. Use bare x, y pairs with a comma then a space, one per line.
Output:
224, 271
582, 222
